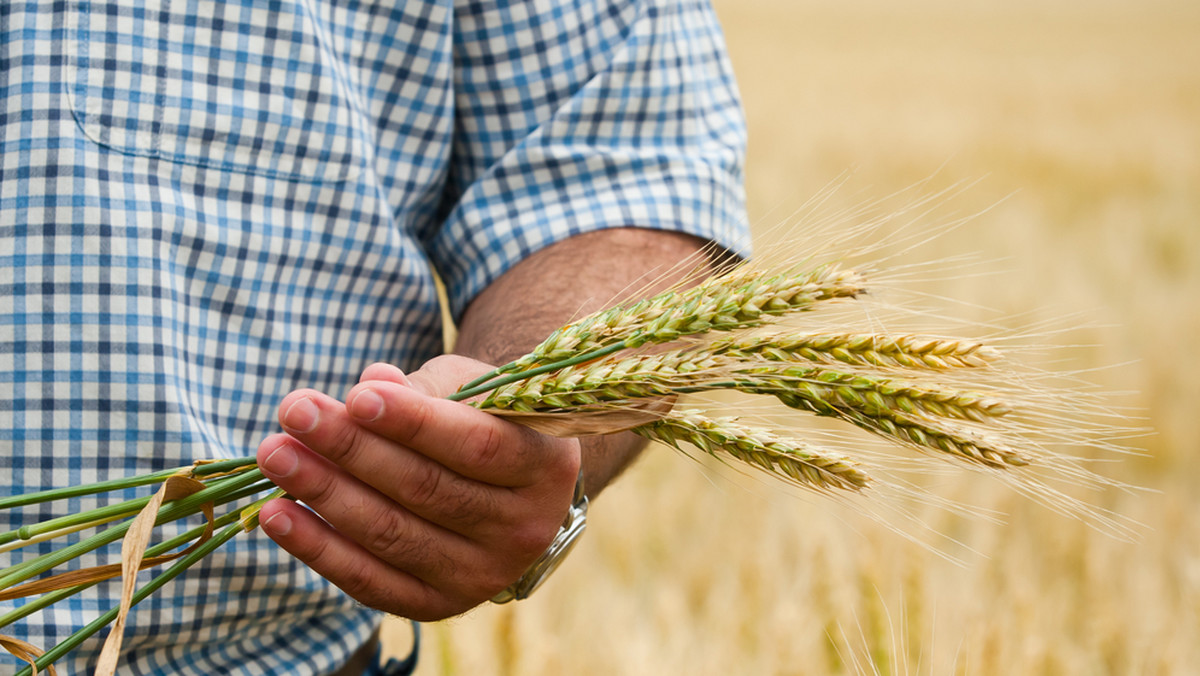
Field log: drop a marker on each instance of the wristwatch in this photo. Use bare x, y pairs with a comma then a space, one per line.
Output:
568, 535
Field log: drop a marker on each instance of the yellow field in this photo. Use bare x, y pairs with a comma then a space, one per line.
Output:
1081, 121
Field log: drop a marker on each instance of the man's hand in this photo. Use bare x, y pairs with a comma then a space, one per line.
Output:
428, 507
423, 507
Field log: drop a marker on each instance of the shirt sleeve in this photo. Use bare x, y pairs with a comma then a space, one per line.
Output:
577, 116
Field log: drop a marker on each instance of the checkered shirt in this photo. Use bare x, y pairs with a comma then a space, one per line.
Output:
207, 204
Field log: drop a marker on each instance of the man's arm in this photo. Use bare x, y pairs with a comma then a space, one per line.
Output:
427, 507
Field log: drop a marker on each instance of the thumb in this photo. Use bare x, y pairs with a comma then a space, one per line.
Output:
383, 371
442, 376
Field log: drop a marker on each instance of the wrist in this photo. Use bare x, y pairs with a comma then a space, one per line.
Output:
566, 539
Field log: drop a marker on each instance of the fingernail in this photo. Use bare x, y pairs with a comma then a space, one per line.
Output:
278, 523
302, 416
281, 462
367, 405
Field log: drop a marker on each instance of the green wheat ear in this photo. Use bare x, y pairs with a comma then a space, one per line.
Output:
740, 299
793, 460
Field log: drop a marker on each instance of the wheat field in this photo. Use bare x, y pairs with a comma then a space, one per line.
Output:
1078, 124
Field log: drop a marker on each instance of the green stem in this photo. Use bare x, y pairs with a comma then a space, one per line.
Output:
99, 623
487, 386
118, 484
86, 489
206, 468
220, 492
243, 493
53, 597
494, 373
50, 535
100, 514
103, 514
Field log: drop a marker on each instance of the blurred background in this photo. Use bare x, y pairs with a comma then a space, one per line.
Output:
1078, 125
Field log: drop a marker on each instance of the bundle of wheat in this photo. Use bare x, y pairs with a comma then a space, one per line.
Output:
595, 376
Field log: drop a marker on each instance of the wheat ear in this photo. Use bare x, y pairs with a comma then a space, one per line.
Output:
801, 463
604, 381
955, 441
861, 349
869, 393
613, 380
904, 412
740, 299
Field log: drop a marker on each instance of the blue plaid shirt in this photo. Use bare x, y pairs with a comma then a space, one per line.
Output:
205, 205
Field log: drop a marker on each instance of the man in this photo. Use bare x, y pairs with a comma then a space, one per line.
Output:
223, 217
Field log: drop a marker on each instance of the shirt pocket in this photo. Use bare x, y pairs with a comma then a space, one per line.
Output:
243, 86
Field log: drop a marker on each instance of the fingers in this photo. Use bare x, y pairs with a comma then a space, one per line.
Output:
367, 578
462, 438
368, 517
446, 462
322, 427
458, 437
